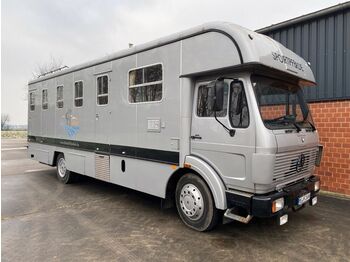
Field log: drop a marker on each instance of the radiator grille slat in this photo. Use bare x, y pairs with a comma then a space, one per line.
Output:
287, 165
102, 168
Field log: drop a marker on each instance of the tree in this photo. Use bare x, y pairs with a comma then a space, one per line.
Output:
53, 64
5, 118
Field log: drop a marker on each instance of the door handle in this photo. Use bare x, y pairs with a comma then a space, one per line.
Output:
196, 136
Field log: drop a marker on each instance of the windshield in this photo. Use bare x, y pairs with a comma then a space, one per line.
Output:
281, 104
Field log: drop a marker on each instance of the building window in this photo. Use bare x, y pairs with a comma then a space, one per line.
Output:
78, 94
205, 100
32, 101
146, 84
59, 100
102, 90
45, 101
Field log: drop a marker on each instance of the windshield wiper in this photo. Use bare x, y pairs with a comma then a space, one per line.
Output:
285, 118
288, 119
313, 128
296, 126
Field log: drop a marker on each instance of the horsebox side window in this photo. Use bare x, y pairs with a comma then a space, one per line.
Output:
102, 90
32, 101
146, 84
59, 97
45, 101
78, 94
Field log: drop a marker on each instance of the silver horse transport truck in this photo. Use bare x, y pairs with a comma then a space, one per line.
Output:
211, 119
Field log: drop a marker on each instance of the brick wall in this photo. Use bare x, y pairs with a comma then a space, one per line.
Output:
332, 120
272, 111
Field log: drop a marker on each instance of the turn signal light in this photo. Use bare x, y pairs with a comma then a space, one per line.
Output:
317, 186
187, 165
277, 205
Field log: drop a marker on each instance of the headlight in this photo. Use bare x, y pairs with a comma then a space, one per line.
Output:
317, 186
277, 205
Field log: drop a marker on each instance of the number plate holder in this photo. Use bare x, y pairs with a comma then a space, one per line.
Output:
303, 199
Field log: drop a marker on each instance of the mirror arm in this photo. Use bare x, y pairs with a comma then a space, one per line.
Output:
232, 132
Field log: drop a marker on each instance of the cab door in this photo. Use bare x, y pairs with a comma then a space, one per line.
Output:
229, 155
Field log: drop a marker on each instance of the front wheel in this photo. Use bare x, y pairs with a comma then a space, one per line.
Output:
63, 174
195, 203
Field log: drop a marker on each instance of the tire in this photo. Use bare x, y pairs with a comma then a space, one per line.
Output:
63, 174
195, 204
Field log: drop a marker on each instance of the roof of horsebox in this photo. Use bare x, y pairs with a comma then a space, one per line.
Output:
251, 46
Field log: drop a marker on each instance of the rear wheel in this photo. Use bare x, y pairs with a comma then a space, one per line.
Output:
63, 174
195, 203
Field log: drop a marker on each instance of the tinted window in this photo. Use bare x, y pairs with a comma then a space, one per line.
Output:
45, 103
239, 114
102, 90
59, 97
204, 100
78, 93
145, 84
32, 101
152, 73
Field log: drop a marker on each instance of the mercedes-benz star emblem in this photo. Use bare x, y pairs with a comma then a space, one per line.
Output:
300, 163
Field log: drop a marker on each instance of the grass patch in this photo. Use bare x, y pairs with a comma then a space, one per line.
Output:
13, 134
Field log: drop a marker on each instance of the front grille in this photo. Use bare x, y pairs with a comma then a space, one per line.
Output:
288, 165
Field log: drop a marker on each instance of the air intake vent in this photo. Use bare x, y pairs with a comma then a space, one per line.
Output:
102, 167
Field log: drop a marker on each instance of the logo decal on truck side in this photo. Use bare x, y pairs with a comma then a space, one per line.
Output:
287, 60
72, 124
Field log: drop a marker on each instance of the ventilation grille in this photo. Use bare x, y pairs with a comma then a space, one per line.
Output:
102, 167
288, 165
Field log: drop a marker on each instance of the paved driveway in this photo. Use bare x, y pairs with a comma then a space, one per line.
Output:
43, 220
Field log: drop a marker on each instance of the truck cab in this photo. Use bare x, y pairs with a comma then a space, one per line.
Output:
256, 130
252, 126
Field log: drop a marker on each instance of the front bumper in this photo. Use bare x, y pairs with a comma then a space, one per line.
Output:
261, 205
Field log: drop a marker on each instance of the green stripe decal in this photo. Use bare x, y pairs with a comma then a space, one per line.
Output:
155, 155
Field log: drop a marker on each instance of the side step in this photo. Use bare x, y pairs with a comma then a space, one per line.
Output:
229, 214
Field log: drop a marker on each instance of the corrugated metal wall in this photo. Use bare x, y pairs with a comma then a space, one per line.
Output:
325, 42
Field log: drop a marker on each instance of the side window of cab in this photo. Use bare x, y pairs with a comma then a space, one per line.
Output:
238, 110
205, 99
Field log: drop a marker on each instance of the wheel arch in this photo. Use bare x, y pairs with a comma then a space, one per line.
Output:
55, 156
207, 173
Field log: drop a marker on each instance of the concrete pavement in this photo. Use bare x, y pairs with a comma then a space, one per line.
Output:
44, 220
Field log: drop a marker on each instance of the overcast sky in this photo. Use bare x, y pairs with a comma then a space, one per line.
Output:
76, 31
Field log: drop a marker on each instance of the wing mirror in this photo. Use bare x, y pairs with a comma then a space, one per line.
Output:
216, 89
218, 96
